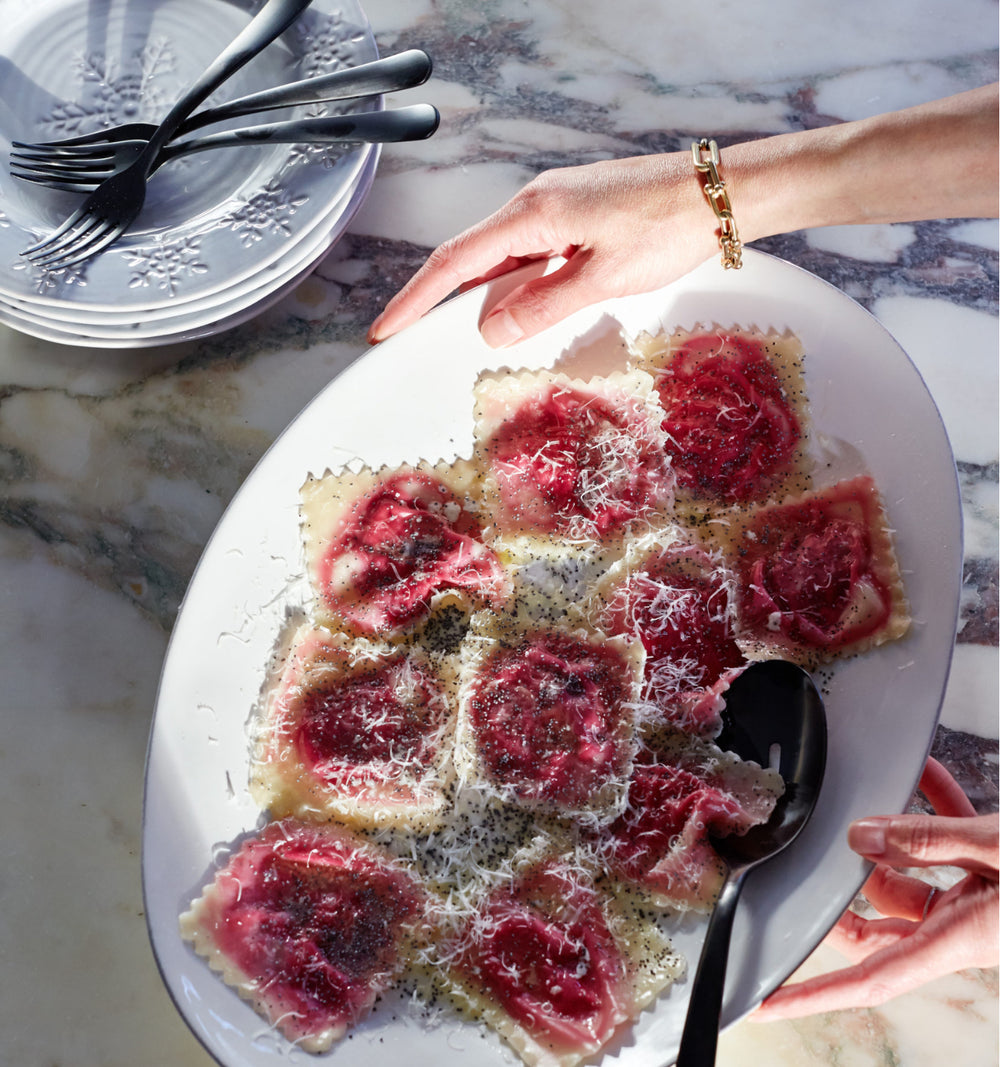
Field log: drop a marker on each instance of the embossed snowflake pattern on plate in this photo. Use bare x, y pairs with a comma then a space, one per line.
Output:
133, 85
166, 266
210, 220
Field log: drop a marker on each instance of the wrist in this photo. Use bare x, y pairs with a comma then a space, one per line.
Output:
788, 182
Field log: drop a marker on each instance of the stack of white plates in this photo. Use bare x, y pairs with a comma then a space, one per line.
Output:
223, 233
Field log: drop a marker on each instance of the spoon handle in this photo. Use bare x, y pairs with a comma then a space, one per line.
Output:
701, 1027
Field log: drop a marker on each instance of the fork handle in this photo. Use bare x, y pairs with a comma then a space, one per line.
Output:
391, 74
270, 22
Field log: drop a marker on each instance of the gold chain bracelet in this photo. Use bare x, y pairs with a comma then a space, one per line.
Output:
706, 161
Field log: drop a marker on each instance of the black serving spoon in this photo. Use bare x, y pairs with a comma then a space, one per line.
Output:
775, 717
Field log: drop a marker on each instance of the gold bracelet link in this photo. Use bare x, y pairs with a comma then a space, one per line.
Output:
706, 162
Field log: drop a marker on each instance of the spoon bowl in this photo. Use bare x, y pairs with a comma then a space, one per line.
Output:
774, 716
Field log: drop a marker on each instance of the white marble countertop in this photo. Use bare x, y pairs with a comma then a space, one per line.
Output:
116, 465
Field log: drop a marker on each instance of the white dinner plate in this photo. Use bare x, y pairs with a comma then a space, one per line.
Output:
221, 312
411, 398
210, 220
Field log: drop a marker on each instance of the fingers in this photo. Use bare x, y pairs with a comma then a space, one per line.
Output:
507, 238
898, 895
541, 303
927, 840
856, 938
509, 264
898, 956
862, 985
447, 268
943, 792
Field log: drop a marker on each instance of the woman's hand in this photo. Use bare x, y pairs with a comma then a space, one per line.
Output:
623, 226
926, 933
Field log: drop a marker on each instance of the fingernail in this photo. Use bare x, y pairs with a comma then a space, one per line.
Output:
373, 330
867, 836
500, 330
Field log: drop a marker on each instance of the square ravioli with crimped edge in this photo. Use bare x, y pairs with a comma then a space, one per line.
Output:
682, 790
568, 459
354, 730
386, 549
735, 412
310, 924
556, 967
547, 717
817, 576
674, 594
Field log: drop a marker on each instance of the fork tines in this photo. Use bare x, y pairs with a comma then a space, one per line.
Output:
78, 238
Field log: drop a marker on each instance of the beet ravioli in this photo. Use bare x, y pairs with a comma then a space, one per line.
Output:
356, 731
387, 549
567, 459
548, 718
550, 962
310, 924
734, 412
817, 576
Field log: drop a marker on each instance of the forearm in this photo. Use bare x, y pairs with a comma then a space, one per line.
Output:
938, 160
631, 225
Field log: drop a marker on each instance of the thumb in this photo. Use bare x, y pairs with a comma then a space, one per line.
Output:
928, 840
544, 301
